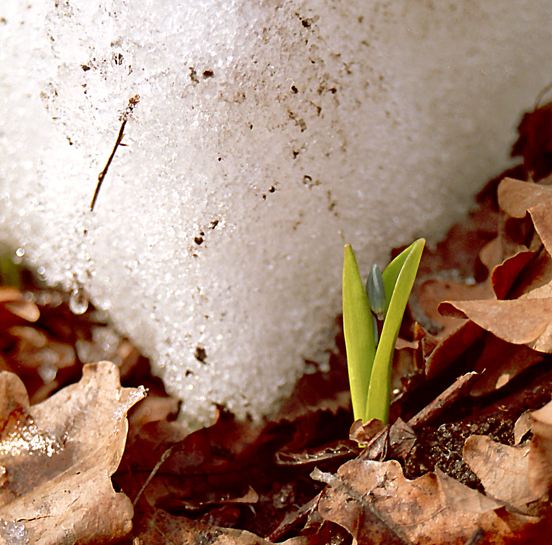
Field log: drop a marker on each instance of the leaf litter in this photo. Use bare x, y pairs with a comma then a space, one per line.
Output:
468, 458
56, 459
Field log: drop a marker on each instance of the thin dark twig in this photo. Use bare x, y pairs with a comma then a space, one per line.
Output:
102, 174
124, 118
444, 400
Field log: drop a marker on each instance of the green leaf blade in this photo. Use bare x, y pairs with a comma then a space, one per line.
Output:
358, 332
399, 279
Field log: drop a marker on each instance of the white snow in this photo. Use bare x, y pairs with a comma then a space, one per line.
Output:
267, 135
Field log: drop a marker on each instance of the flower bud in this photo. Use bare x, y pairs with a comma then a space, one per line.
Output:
376, 290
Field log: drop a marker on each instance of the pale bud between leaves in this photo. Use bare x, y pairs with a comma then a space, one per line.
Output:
376, 290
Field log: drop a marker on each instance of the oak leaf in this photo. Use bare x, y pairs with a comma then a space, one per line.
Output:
377, 504
503, 470
56, 459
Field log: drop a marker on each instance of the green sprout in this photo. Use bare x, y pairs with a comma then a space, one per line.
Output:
372, 318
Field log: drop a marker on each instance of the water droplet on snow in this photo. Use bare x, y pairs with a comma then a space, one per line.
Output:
78, 303
17, 258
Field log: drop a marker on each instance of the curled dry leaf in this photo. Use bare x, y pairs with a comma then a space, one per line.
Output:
12, 302
452, 347
522, 427
536, 274
500, 362
363, 433
56, 460
540, 455
516, 197
521, 321
526, 320
503, 470
377, 504
504, 275
435, 290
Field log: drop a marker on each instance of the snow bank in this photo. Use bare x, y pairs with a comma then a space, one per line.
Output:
267, 134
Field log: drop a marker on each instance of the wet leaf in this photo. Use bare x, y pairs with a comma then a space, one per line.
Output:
57, 457
338, 450
454, 392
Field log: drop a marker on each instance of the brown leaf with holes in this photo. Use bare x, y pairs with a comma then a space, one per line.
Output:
56, 459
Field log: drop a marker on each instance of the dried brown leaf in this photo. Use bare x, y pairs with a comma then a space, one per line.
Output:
543, 222
452, 347
408, 367
540, 455
57, 458
527, 320
363, 433
503, 470
516, 197
522, 427
434, 290
492, 254
157, 527
500, 362
377, 504
504, 275
535, 141
13, 302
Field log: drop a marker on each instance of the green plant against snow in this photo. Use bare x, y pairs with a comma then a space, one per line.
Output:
372, 318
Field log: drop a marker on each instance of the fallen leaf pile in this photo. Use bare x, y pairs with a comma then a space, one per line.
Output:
468, 458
